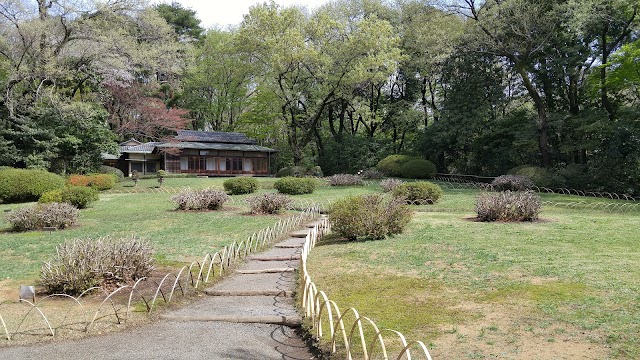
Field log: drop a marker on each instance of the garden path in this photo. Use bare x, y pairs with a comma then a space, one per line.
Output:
249, 315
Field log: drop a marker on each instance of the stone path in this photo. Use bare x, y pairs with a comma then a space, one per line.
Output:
248, 315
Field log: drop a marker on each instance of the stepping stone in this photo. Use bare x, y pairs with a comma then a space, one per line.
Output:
274, 258
262, 265
251, 285
291, 242
238, 306
287, 246
293, 321
266, 271
299, 233
279, 252
283, 293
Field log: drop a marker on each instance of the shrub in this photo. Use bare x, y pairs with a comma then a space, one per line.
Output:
392, 164
512, 183
268, 203
299, 171
58, 215
539, 176
369, 215
204, 199
96, 181
20, 185
240, 185
371, 174
295, 186
81, 264
575, 176
78, 196
113, 171
508, 206
419, 192
345, 180
102, 181
418, 169
388, 185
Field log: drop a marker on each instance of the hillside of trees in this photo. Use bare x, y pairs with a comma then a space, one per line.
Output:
477, 87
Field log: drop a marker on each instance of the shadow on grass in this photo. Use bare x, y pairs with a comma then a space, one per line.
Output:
335, 239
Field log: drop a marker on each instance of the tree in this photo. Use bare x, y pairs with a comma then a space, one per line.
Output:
183, 20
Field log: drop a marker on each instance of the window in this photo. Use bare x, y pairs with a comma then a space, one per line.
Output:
152, 167
172, 164
234, 164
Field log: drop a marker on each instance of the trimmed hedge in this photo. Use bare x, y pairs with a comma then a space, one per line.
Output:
392, 164
104, 169
23, 185
418, 169
295, 186
78, 196
96, 181
419, 192
240, 185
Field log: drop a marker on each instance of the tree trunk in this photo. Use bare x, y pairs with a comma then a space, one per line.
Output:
543, 122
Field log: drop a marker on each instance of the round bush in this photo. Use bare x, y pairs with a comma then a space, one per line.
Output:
51, 196
268, 203
295, 186
419, 192
418, 169
508, 206
240, 185
392, 164
78, 196
290, 171
374, 216
58, 215
21, 185
539, 176
102, 181
104, 169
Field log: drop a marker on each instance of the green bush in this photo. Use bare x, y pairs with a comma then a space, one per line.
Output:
392, 164
78, 196
418, 169
419, 192
240, 185
22, 185
82, 264
104, 169
508, 206
374, 216
295, 186
299, 171
539, 176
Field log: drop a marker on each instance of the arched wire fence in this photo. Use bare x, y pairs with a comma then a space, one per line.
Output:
343, 336
25, 317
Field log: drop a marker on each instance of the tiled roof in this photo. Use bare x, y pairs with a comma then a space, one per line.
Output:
146, 148
214, 137
215, 146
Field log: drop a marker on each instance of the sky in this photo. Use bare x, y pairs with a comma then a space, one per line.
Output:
230, 12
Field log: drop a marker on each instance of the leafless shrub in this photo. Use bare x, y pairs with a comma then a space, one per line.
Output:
374, 216
205, 199
345, 180
371, 174
58, 215
84, 263
508, 206
268, 203
388, 185
512, 183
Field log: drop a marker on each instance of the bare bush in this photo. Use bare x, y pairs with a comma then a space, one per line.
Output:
268, 203
512, 183
84, 263
57, 215
508, 206
345, 180
204, 199
388, 185
371, 174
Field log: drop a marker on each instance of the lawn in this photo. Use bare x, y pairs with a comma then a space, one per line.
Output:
567, 286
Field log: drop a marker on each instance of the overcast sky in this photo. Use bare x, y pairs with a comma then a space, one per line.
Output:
229, 12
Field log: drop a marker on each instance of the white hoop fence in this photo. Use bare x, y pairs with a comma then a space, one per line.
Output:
348, 337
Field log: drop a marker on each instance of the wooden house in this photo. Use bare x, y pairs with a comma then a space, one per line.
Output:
197, 152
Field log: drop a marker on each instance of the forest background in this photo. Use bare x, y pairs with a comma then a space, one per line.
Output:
477, 87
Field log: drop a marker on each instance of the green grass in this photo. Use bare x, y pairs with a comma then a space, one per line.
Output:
573, 276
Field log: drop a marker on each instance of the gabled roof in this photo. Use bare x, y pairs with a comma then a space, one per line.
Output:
146, 148
131, 142
214, 137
